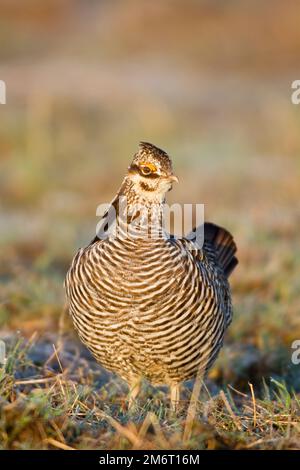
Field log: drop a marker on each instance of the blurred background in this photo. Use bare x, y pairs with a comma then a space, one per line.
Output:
209, 81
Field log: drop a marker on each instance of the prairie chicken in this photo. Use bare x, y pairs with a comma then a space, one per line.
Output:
153, 307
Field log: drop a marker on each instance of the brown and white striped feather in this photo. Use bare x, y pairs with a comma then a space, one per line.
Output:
152, 308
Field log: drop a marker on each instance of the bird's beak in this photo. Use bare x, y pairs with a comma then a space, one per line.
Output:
173, 178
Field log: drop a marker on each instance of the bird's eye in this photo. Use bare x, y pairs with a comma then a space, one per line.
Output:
146, 170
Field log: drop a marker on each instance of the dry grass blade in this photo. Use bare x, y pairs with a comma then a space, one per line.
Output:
38, 381
57, 357
254, 404
124, 431
237, 391
230, 411
192, 409
255, 443
152, 420
58, 444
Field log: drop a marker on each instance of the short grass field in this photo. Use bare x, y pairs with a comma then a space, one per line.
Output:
212, 87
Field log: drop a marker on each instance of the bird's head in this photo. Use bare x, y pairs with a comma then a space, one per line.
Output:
150, 173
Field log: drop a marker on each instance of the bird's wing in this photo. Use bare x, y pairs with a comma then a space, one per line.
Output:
212, 274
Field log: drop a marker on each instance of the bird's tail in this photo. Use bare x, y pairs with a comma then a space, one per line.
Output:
224, 246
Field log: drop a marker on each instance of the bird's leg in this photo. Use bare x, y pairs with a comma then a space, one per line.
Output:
135, 388
175, 396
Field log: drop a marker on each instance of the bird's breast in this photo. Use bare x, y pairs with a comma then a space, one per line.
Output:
143, 306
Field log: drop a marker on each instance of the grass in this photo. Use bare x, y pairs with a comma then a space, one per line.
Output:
66, 401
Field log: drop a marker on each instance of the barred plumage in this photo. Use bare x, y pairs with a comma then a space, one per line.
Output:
152, 307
